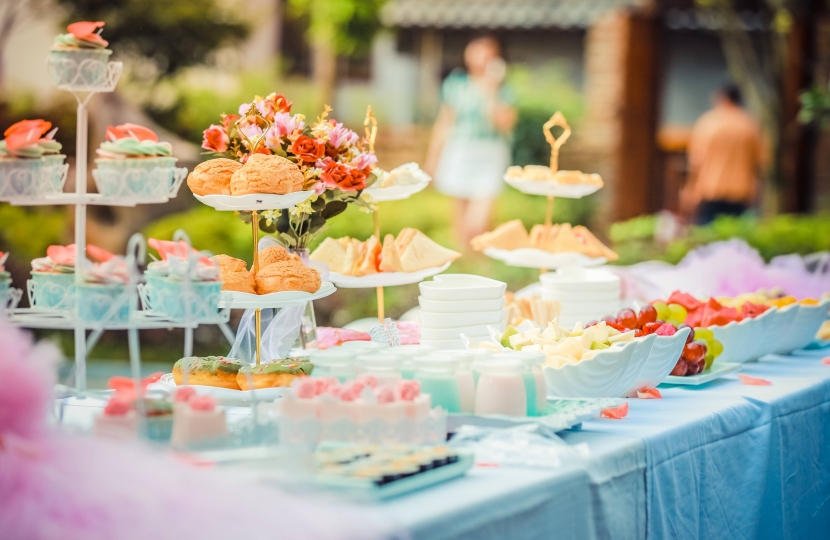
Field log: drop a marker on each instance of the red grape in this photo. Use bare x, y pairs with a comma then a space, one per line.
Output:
610, 319
680, 368
691, 336
627, 318
694, 351
693, 368
647, 314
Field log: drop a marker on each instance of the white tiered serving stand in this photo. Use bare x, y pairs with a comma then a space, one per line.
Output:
67, 319
537, 258
377, 195
254, 204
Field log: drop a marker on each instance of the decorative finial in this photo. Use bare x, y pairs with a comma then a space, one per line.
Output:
253, 116
558, 119
370, 124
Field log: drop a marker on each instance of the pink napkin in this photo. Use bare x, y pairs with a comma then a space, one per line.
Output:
615, 413
753, 381
826, 360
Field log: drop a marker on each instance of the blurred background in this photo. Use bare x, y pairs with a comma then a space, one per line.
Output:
631, 76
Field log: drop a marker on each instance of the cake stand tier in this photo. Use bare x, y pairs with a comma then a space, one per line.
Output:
393, 193
241, 300
537, 258
552, 189
255, 201
66, 320
385, 279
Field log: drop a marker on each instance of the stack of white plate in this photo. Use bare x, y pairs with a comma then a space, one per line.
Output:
586, 294
455, 304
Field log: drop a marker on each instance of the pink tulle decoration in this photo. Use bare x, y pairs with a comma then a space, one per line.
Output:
726, 268
69, 487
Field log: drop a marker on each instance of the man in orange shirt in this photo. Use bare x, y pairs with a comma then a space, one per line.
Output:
725, 158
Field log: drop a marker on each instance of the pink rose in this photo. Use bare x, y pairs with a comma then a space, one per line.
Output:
184, 394
409, 390
63, 255
385, 394
364, 160
203, 403
367, 380
215, 138
341, 135
285, 124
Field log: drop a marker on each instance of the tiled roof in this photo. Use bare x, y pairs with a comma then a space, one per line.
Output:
498, 13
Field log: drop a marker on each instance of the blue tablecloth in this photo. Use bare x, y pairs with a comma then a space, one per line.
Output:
724, 460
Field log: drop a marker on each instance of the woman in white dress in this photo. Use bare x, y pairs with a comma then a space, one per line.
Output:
470, 146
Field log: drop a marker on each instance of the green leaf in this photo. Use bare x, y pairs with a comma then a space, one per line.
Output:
334, 208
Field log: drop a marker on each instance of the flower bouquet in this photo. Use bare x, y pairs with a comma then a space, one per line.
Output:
328, 154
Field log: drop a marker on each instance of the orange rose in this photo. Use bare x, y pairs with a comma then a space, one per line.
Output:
25, 133
341, 177
307, 149
131, 131
215, 139
87, 31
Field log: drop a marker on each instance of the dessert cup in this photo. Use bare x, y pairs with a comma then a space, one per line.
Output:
94, 302
52, 290
53, 175
166, 296
84, 68
134, 177
20, 177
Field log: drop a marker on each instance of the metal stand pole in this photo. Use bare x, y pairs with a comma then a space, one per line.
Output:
381, 303
257, 311
80, 237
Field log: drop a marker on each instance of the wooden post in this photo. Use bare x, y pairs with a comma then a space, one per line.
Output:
429, 74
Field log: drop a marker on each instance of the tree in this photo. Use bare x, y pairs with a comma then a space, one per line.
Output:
336, 27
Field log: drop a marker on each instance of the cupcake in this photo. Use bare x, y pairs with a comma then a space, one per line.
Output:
53, 277
5, 281
164, 290
103, 296
133, 163
29, 156
79, 58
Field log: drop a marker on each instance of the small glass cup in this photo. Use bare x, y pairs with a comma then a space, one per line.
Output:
437, 374
410, 353
501, 387
533, 379
384, 366
336, 362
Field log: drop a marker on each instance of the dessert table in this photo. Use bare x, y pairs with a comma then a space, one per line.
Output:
725, 460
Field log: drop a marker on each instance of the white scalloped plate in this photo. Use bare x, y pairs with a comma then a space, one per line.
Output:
538, 258
226, 394
804, 328
394, 193
384, 279
241, 300
715, 372
552, 189
254, 201
661, 360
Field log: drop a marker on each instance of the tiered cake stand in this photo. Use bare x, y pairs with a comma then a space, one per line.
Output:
120, 195
377, 195
537, 258
254, 204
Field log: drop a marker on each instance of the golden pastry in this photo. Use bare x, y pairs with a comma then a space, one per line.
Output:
510, 235
209, 371
390, 259
287, 276
212, 177
267, 174
235, 274
272, 254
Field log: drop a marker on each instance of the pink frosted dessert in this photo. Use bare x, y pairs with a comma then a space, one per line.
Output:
417, 405
196, 419
119, 421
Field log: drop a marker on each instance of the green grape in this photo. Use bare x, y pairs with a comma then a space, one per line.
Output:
716, 347
704, 334
662, 310
709, 358
677, 312
597, 346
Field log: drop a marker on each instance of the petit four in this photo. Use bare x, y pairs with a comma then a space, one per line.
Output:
208, 371
196, 419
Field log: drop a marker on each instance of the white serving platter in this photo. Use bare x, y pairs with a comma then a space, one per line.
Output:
717, 371
241, 300
393, 193
538, 258
384, 279
254, 201
226, 394
552, 189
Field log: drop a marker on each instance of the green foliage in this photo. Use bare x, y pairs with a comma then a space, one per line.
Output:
26, 232
782, 235
815, 106
533, 89
172, 34
347, 25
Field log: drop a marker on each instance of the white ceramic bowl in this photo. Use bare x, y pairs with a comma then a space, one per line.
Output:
743, 341
440, 344
460, 306
762, 325
599, 376
804, 328
476, 332
462, 287
440, 321
663, 356
779, 326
